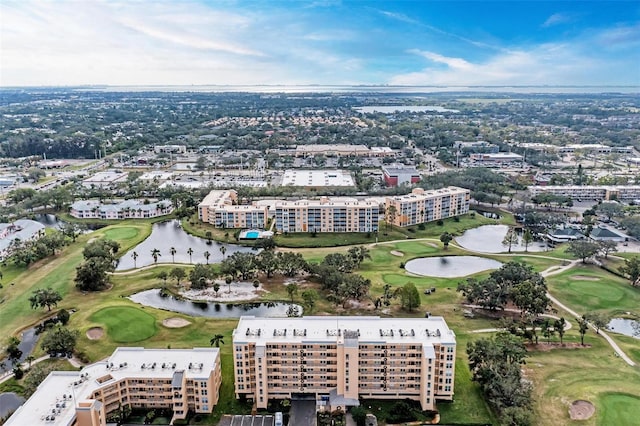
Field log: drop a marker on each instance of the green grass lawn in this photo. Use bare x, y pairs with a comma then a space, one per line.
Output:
618, 408
126, 324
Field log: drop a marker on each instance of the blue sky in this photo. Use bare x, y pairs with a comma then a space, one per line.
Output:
420, 42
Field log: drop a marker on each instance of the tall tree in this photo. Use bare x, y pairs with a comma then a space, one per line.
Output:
190, 253
446, 238
45, 297
309, 298
134, 255
173, 252
631, 269
583, 327
178, 274
583, 249
223, 250
59, 340
510, 239
606, 247
292, 290
207, 255
409, 297
527, 238
559, 325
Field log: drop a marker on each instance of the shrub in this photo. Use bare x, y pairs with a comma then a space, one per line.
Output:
440, 222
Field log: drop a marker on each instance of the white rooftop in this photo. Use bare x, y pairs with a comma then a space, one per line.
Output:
317, 178
108, 176
61, 390
330, 329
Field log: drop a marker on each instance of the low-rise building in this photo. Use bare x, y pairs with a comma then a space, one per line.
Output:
476, 147
106, 179
338, 360
590, 192
605, 234
399, 175
334, 150
128, 209
22, 230
318, 178
170, 149
422, 206
327, 214
221, 208
180, 380
496, 159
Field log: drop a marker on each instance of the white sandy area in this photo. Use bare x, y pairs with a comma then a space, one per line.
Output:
240, 291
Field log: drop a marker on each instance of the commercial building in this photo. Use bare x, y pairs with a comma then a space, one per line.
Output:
339, 214
220, 208
128, 209
170, 149
176, 379
496, 159
476, 147
400, 175
106, 179
318, 178
590, 192
424, 206
22, 230
340, 359
336, 150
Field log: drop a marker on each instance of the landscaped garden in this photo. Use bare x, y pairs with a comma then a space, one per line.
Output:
560, 376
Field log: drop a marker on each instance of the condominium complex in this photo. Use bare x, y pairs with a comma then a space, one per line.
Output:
340, 359
128, 209
220, 208
176, 379
339, 214
619, 192
424, 206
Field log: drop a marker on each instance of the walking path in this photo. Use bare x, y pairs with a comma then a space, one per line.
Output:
25, 365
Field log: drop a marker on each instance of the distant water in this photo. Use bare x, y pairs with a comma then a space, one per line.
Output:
366, 89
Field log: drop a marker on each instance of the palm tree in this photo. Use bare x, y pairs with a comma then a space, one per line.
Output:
446, 239
155, 253
30, 359
190, 252
223, 250
134, 255
173, 254
206, 256
216, 340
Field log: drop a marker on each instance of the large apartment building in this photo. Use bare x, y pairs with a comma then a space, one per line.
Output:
176, 379
422, 206
339, 214
220, 208
590, 192
340, 359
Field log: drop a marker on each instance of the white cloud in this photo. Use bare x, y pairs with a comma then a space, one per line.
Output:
557, 19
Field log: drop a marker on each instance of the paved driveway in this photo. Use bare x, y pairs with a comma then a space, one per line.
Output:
302, 413
229, 420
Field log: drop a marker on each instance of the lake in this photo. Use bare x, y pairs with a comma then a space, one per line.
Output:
154, 299
488, 239
170, 234
450, 266
625, 326
9, 402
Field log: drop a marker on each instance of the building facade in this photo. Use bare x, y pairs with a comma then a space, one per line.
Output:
327, 215
595, 192
341, 359
220, 208
400, 175
176, 379
128, 209
425, 206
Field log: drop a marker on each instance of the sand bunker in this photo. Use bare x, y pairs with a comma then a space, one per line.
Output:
585, 278
397, 253
581, 410
95, 333
175, 322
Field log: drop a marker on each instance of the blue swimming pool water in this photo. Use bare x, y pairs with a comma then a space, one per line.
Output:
252, 234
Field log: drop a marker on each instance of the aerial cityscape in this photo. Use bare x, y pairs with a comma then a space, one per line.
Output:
319, 213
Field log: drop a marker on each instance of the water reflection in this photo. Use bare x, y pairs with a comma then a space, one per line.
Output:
625, 326
155, 299
450, 266
488, 239
170, 234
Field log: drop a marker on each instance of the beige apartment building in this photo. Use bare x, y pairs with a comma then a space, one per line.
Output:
339, 214
220, 208
340, 359
176, 379
422, 206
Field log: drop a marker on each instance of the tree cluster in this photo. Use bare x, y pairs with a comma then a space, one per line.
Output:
60, 340
24, 253
495, 364
100, 258
335, 275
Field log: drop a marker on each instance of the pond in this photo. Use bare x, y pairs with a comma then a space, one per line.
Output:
9, 402
625, 326
170, 234
54, 222
154, 299
450, 266
488, 239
